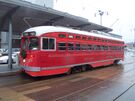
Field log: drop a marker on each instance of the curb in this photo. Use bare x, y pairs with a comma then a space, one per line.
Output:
10, 73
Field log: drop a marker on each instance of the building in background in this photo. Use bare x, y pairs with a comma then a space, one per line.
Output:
16, 37
15, 40
46, 3
130, 45
4, 40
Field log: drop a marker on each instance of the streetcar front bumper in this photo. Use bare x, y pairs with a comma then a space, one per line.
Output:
32, 69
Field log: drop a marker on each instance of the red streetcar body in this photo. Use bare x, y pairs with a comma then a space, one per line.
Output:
57, 50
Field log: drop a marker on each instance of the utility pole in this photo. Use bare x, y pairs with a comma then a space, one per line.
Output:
10, 43
134, 39
101, 13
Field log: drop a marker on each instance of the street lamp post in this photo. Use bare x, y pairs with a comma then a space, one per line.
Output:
101, 13
10, 44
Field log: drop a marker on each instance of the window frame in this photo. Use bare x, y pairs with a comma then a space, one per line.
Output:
48, 45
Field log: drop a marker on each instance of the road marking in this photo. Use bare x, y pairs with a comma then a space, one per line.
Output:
78, 79
36, 90
7, 94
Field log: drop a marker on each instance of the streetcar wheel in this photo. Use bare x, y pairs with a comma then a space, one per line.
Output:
116, 62
69, 72
83, 68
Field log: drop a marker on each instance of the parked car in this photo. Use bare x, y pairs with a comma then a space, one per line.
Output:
3, 51
14, 51
4, 55
4, 58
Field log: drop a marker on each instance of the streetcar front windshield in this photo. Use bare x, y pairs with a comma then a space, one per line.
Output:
24, 43
30, 43
34, 44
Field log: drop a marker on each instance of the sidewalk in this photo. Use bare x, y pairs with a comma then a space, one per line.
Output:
6, 71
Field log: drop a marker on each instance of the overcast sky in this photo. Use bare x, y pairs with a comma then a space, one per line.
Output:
121, 15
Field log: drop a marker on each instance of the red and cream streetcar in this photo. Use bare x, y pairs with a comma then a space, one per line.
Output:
49, 50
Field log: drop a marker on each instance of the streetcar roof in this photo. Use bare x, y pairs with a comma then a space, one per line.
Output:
47, 29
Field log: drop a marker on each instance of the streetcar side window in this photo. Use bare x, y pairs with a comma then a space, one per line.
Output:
84, 38
105, 47
94, 47
89, 38
84, 47
70, 46
98, 47
62, 46
78, 37
45, 43
48, 43
77, 47
89, 47
102, 47
62, 35
51, 43
71, 36
95, 38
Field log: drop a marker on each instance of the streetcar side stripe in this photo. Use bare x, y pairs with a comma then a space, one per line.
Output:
36, 69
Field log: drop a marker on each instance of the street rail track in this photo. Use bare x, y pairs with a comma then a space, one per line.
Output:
114, 75
28, 86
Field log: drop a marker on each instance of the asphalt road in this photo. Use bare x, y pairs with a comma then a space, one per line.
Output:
111, 83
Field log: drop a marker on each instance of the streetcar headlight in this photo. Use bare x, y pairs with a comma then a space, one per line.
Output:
24, 60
